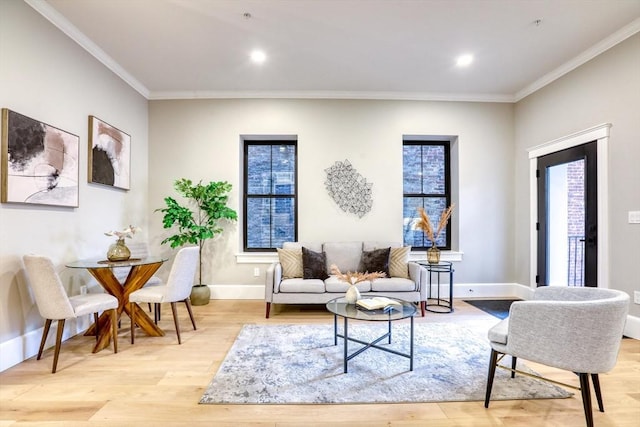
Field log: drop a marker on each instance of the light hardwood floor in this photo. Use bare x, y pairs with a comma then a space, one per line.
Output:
158, 382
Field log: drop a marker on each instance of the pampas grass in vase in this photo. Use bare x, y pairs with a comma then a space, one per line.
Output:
424, 223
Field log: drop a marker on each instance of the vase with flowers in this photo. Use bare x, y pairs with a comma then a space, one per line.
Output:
353, 294
119, 251
424, 223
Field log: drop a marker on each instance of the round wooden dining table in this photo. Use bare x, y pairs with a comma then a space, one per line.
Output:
141, 270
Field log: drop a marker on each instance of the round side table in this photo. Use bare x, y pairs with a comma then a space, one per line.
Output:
437, 303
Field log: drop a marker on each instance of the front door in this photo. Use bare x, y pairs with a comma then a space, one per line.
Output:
568, 217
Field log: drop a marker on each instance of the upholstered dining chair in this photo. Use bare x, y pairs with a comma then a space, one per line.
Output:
176, 289
574, 329
54, 304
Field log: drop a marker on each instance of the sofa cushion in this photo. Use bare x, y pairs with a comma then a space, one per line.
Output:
314, 246
333, 284
369, 246
314, 264
345, 255
376, 260
303, 286
399, 262
393, 284
291, 261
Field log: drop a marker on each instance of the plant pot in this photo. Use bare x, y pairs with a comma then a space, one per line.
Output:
200, 295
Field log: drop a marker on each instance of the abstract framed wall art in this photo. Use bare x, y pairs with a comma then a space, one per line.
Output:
109, 155
39, 162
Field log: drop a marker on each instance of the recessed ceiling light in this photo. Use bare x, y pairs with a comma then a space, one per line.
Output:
258, 56
464, 60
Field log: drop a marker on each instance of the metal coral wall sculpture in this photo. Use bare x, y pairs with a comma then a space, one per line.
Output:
348, 188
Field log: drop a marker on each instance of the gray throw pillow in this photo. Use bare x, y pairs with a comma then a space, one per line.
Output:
314, 264
376, 260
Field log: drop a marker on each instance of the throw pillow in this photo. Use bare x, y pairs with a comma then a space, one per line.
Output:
398, 262
376, 260
291, 261
314, 264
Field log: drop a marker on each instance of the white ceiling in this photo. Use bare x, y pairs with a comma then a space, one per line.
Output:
386, 49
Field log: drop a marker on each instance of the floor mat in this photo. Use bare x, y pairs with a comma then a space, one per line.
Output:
495, 307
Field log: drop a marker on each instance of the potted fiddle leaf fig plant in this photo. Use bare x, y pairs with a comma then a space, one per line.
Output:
197, 221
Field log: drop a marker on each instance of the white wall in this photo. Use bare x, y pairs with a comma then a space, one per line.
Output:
604, 90
200, 139
48, 77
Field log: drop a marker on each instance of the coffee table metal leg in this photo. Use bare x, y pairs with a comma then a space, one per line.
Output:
389, 330
335, 329
346, 340
411, 346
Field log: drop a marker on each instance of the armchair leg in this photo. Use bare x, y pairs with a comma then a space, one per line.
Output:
187, 302
423, 307
492, 372
596, 387
268, 310
586, 398
175, 320
45, 332
56, 352
514, 362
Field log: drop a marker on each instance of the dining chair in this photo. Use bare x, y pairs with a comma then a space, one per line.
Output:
54, 303
574, 329
176, 289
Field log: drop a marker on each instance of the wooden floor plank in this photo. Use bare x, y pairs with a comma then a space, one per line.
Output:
158, 382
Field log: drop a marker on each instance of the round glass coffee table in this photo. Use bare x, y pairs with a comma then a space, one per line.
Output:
340, 308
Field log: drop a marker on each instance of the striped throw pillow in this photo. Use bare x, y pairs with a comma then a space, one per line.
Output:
398, 262
291, 261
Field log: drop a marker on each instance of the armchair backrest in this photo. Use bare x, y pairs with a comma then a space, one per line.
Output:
577, 329
51, 298
183, 270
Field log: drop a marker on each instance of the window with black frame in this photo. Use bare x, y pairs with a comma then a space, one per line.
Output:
426, 184
270, 189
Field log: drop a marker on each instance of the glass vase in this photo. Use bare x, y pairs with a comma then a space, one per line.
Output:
118, 251
433, 254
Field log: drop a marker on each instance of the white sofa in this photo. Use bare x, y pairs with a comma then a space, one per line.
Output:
347, 256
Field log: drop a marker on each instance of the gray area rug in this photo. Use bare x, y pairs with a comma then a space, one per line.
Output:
289, 364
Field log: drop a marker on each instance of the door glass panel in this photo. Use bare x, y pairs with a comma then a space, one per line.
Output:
565, 224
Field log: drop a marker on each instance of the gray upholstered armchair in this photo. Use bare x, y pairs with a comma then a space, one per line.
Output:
576, 329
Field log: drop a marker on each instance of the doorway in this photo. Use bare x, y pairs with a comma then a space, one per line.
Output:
568, 217
600, 134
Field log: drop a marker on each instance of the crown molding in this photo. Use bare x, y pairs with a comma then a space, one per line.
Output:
365, 95
53, 16
615, 38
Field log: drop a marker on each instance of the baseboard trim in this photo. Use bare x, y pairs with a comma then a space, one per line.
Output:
23, 347
237, 291
632, 327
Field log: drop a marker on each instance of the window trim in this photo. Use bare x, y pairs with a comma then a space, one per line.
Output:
430, 141
248, 141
